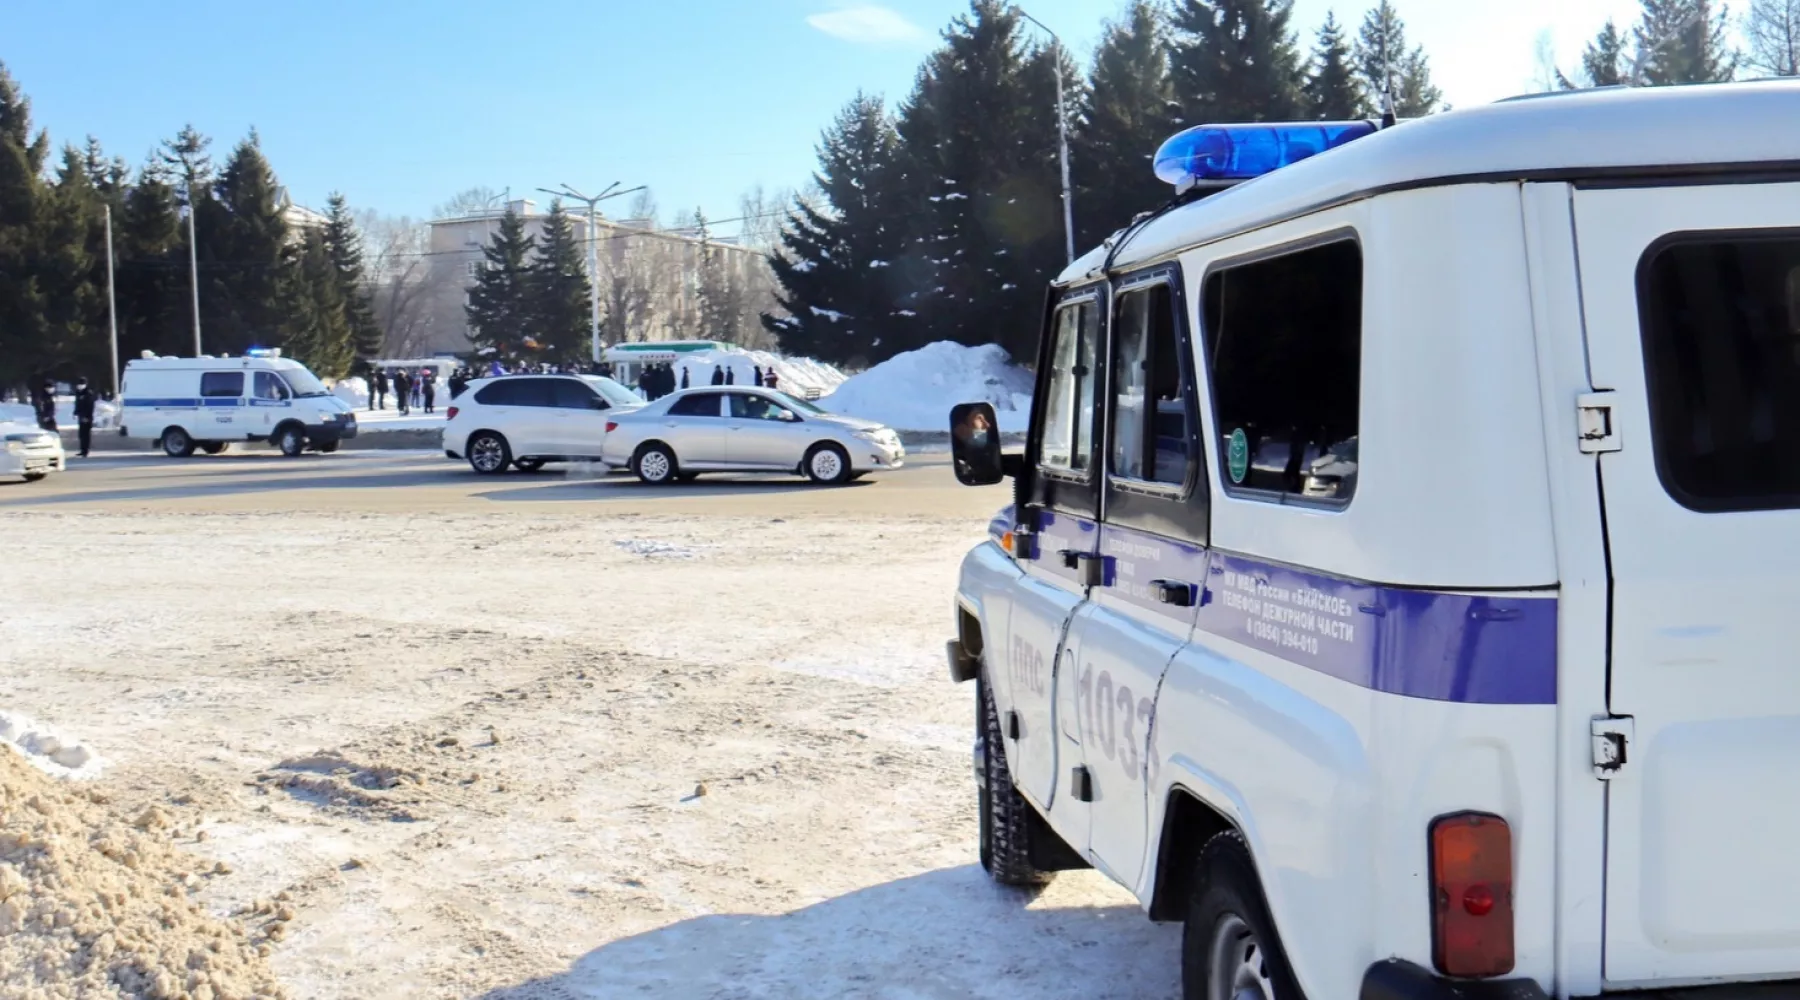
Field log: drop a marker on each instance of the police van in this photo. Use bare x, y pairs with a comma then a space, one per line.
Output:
1399, 583
206, 403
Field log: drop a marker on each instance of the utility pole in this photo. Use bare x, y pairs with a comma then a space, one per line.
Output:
593, 242
1062, 133
193, 263
112, 304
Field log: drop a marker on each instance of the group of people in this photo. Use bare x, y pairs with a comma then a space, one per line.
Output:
412, 390
43, 406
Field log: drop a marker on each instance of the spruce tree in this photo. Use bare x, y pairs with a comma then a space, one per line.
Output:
243, 254
840, 251
22, 194
344, 242
151, 278
71, 270
1332, 91
1605, 62
1387, 66
1683, 41
315, 327
1236, 61
500, 301
561, 317
980, 143
1129, 111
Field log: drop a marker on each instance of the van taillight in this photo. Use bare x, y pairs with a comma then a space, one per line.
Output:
611, 425
1471, 895
450, 414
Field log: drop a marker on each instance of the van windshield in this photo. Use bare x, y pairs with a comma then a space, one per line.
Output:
304, 383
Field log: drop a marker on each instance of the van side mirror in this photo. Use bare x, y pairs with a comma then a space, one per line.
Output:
975, 445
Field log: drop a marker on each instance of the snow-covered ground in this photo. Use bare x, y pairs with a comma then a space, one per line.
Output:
607, 756
914, 391
106, 415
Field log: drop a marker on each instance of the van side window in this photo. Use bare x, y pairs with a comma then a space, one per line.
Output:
1721, 329
221, 384
268, 386
1284, 341
1067, 440
1153, 438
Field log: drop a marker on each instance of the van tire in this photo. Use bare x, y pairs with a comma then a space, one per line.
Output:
291, 439
489, 454
176, 443
1229, 947
215, 447
1006, 819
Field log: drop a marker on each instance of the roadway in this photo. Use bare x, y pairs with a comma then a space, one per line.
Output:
405, 481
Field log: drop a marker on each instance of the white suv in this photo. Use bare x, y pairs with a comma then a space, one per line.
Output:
528, 420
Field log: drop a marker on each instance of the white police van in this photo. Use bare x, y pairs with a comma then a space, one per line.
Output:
1399, 583
208, 403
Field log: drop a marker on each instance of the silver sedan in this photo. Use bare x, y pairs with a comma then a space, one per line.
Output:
746, 429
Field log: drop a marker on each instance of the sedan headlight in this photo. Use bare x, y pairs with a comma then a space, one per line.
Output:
14, 446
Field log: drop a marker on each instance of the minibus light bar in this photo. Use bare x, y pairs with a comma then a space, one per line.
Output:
1211, 155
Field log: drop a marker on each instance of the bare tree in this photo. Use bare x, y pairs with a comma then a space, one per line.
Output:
407, 292
1772, 29
472, 201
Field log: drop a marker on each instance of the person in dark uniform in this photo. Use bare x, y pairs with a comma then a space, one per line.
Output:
731, 376
46, 406
84, 414
402, 390
718, 375
757, 374
378, 389
684, 377
428, 386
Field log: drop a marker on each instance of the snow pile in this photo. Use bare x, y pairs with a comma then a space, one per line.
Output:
46, 749
106, 415
92, 905
799, 376
353, 390
653, 549
915, 391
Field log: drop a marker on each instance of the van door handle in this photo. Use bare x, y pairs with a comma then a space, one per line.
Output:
1089, 568
1174, 592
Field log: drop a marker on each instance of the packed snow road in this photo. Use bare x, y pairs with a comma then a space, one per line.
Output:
582, 741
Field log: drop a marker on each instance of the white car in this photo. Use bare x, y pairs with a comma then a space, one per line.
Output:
30, 452
524, 421
746, 429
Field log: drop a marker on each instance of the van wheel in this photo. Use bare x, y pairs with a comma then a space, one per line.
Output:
176, 443
1229, 950
1005, 815
214, 447
827, 465
291, 440
655, 464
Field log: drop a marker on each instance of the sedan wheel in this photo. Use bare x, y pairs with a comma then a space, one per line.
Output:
828, 465
655, 464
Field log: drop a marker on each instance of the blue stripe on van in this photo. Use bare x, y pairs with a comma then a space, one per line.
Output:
1484, 649
174, 403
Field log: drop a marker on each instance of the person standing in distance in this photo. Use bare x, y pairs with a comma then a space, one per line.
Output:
402, 390
84, 414
46, 406
378, 389
428, 385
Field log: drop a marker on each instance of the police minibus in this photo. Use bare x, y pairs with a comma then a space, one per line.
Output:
207, 403
1398, 585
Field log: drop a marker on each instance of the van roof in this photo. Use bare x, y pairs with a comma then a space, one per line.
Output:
195, 364
1617, 132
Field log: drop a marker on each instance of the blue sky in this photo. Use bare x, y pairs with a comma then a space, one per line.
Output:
402, 104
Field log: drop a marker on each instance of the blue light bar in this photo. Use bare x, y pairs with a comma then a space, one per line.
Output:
263, 352
1230, 153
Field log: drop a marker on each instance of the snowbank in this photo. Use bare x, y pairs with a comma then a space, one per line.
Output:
800, 376
106, 415
915, 391
46, 749
353, 390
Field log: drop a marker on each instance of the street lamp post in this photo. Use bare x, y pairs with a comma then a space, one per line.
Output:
593, 242
193, 263
112, 304
1062, 133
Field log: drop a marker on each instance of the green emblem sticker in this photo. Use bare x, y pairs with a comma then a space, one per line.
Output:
1237, 456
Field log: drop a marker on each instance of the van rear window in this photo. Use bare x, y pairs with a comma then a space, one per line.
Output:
228, 384
1721, 329
1284, 338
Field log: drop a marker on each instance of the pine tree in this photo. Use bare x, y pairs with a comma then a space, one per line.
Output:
315, 326
837, 258
500, 301
243, 254
1386, 65
980, 144
71, 270
1683, 41
1129, 111
344, 242
561, 318
1236, 61
722, 292
1604, 63
1332, 91
151, 278
22, 194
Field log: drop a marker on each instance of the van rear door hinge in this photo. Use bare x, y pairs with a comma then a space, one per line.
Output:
1597, 425
1611, 739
